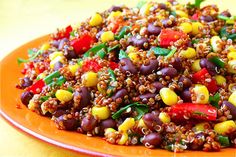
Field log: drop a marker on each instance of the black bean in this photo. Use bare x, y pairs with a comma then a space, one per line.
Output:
211, 68
154, 30
149, 68
162, 6
69, 54
226, 13
186, 95
108, 123
84, 93
152, 139
59, 112
127, 65
151, 120
26, 82
138, 41
185, 82
88, 123
231, 108
115, 8
177, 63
158, 86
26, 97
207, 18
61, 43
69, 123
147, 96
167, 23
98, 35
119, 94
57, 66
169, 71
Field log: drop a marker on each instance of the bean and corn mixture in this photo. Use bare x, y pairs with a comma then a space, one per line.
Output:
162, 75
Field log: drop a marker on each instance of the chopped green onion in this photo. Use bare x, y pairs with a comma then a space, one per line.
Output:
44, 98
101, 53
214, 100
60, 81
172, 52
217, 61
122, 32
109, 49
94, 50
222, 17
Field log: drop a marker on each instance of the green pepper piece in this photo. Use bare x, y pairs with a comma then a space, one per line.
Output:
101, 53
217, 61
48, 79
60, 81
159, 51
224, 140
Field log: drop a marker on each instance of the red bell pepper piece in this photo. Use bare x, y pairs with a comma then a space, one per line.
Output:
82, 44
63, 34
200, 77
91, 65
187, 111
167, 36
27, 66
113, 65
37, 86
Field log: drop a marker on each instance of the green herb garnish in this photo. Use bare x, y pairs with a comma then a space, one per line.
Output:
141, 109
159, 51
20, 60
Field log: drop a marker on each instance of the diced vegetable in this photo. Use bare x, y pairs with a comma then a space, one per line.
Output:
225, 127
168, 96
37, 86
82, 44
101, 112
168, 36
63, 95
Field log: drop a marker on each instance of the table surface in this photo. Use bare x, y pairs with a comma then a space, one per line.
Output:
24, 20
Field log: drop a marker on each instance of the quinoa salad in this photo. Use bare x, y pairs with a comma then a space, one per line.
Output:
162, 75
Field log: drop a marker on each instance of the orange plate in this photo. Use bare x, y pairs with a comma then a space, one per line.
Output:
43, 128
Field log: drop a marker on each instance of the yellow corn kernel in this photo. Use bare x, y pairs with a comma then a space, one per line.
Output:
215, 43
168, 96
196, 65
141, 124
127, 124
107, 36
114, 14
130, 49
63, 95
189, 53
55, 60
73, 68
181, 13
186, 27
55, 54
231, 55
202, 94
134, 57
89, 79
232, 66
124, 138
232, 98
95, 20
101, 112
145, 9
196, 27
164, 117
231, 48
220, 80
202, 126
45, 46
225, 127
108, 131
